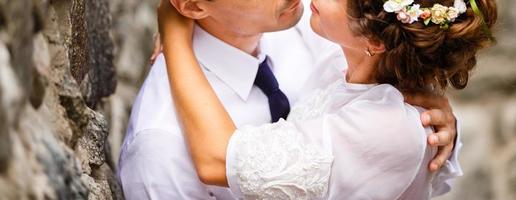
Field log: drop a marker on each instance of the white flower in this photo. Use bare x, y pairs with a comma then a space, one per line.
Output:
460, 5
396, 5
414, 12
439, 14
452, 14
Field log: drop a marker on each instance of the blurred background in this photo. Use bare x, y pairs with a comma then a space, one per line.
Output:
70, 70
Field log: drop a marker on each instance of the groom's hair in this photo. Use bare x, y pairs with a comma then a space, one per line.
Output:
421, 57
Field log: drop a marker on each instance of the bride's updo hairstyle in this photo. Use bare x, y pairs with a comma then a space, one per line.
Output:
424, 55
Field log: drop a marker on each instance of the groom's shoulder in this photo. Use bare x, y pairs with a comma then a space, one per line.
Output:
155, 88
158, 70
153, 106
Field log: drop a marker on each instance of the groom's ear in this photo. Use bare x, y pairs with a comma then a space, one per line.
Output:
194, 9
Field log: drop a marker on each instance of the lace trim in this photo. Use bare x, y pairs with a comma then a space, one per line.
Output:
274, 163
315, 105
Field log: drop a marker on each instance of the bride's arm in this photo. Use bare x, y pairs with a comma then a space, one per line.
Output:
206, 124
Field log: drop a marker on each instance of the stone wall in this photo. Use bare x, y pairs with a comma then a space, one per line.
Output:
56, 68
134, 25
70, 70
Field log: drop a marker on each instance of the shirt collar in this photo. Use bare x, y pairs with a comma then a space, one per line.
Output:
232, 66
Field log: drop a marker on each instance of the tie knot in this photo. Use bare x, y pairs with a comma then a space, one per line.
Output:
265, 79
278, 101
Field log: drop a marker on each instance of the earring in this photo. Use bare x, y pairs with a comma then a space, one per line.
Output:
369, 53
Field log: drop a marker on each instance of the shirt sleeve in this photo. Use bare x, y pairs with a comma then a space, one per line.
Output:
444, 178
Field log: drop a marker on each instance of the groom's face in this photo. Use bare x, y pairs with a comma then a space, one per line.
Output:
255, 16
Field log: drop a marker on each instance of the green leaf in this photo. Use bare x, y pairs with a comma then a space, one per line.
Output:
427, 21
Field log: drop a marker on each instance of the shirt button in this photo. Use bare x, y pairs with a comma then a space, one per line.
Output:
211, 194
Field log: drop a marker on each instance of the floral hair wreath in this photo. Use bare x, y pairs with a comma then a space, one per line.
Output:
408, 13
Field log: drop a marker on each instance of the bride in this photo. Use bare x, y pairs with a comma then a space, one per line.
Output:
354, 138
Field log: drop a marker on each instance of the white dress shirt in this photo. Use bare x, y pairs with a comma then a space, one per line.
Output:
154, 161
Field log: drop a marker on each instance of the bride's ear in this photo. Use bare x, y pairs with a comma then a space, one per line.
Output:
376, 47
194, 9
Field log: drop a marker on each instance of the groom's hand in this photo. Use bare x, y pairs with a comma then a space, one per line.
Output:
439, 115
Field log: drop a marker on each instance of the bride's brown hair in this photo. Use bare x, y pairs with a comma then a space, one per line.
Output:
417, 56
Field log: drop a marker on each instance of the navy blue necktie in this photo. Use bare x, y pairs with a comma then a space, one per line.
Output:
278, 102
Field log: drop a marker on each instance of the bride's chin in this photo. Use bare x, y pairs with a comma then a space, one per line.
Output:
314, 24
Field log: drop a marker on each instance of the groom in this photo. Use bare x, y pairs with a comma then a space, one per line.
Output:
231, 46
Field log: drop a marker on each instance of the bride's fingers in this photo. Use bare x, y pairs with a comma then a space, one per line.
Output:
163, 2
170, 20
158, 48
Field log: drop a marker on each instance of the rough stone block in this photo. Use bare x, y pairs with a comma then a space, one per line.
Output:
91, 52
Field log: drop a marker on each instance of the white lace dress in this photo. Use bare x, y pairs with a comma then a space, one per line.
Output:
346, 141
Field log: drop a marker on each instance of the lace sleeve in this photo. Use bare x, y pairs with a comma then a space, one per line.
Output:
275, 161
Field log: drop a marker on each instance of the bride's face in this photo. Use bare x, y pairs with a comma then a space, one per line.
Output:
330, 20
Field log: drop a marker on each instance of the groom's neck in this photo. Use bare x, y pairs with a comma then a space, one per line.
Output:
246, 42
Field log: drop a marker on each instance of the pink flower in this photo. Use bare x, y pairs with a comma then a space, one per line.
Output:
426, 14
404, 17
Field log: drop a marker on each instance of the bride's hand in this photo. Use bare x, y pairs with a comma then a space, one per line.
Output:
158, 48
174, 27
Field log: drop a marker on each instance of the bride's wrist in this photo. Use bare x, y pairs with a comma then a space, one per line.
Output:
177, 40
172, 25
